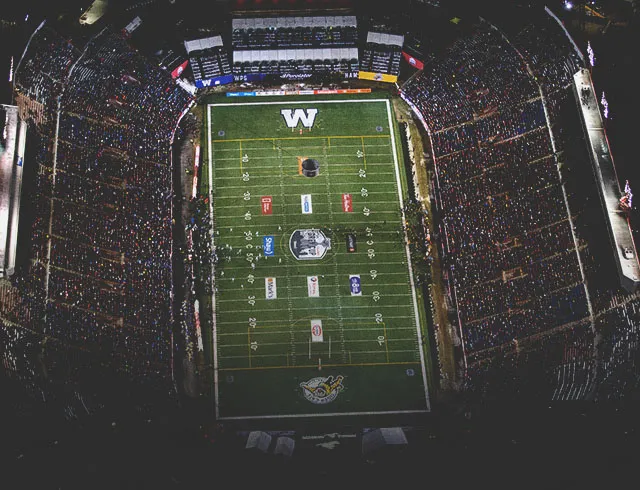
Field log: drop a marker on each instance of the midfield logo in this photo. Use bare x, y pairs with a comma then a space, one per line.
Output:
293, 117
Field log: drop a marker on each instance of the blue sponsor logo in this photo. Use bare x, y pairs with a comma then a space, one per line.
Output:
354, 283
267, 246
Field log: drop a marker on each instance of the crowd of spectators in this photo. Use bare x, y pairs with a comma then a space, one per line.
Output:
102, 235
508, 250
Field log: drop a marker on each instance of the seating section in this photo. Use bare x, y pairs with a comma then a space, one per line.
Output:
102, 236
513, 269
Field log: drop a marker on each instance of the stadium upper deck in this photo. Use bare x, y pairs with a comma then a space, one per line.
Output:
102, 242
511, 261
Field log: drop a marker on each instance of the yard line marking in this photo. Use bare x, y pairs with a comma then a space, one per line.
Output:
335, 266
301, 366
330, 307
400, 295
355, 136
305, 342
283, 332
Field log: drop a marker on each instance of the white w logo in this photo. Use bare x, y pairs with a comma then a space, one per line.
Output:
307, 117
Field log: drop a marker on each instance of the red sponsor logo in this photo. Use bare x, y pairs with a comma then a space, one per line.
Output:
347, 205
178, 71
267, 202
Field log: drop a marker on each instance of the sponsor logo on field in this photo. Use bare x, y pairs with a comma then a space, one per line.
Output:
354, 284
293, 117
309, 244
322, 390
351, 242
313, 286
270, 291
305, 201
267, 245
316, 331
267, 204
347, 204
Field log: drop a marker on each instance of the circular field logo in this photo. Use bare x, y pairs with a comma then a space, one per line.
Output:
322, 390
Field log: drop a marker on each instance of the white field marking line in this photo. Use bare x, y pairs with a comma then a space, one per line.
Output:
297, 204
213, 289
336, 164
241, 217
292, 346
305, 342
260, 331
253, 356
298, 102
338, 296
324, 263
303, 225
301, 287
406, 247
332, 414
368, 320
371, 307
258, 186
337, 174
322, 213
289, 144
370, 192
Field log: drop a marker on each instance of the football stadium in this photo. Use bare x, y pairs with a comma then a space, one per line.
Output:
316, 237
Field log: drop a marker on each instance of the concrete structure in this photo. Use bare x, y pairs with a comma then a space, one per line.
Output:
13, 140
618, 229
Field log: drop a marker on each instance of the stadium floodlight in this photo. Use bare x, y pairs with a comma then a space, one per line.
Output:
568, 5
605, 106
592, 57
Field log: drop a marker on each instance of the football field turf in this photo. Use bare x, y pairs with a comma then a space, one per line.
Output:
314, 311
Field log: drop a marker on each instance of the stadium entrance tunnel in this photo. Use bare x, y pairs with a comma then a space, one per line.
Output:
310, 167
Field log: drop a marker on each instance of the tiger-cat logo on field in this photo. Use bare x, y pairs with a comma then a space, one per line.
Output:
322, 390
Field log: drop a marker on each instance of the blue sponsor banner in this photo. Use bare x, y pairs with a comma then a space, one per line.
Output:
267, 246
354, 284
214, 82
241, 94
249, 77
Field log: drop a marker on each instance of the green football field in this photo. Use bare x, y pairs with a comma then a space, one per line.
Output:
314, 309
